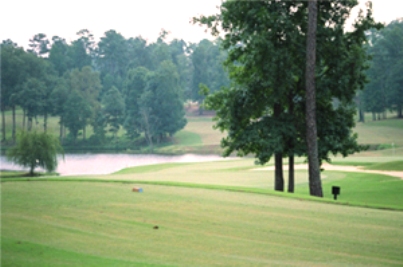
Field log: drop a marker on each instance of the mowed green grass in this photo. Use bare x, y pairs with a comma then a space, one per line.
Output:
106, 224
208, 214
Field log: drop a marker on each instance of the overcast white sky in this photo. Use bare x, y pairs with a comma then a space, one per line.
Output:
22, 19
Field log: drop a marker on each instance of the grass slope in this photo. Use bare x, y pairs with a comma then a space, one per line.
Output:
105, 224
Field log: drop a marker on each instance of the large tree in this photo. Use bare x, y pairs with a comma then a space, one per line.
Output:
264, 109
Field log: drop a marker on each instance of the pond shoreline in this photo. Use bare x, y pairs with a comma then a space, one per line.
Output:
102, 163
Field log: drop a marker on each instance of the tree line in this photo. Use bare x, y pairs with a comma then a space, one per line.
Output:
112, 84
384, 90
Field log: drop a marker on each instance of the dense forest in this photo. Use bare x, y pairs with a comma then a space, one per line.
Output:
113, 84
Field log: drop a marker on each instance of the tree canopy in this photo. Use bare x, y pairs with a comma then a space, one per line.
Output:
263, 110
35, 150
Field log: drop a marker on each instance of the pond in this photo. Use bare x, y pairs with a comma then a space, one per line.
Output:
74, 164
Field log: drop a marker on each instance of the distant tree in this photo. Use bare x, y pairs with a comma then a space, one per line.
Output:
167, 100
207, 60
113, 107
78, 55
180, 57
35, 150
159, 52
39, 45
88, 84
112, 57
12, 78
31, 99
134, 86
138, 53
77, 113
34, 95
58, 97
60, 56
148, 121
392, 43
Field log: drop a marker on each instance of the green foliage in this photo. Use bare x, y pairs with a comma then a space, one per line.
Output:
113, 109
44, 81
77, 112
384, 90
207, 59
39, 45
35, 150
134, 86
263, 110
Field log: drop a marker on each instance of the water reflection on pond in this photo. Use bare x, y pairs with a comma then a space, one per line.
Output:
108, 163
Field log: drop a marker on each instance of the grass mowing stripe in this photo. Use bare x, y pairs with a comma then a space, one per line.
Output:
20, 253
356, 195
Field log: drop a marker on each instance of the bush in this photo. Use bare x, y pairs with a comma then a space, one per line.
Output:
35, 150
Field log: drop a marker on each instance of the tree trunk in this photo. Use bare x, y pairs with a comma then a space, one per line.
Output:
399, 112
45, 122
201, 109
23, 119
291, 147
31, 170
291, 174
361, 115
278, 170
61, 128
373, 116
29, 126
3, 124
315, 185
13, 131
84, 132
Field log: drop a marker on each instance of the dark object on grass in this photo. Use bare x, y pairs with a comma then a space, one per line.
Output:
335, 191
155, 227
